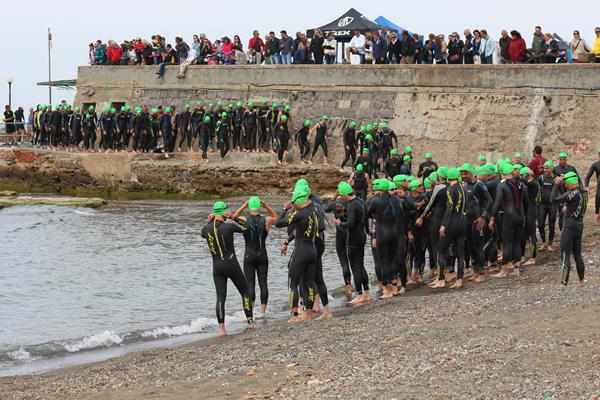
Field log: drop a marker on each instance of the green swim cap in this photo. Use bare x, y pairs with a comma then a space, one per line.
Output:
598, 151
408, 149
570, 174
219, 103
427, 183
365, 150
428, 155
113, 110
91, 108
230, 105
376, 183
525, 170
563, 155
106, 108
384, 125
518, 154
254, 203
400, 178
301, 182
443, 172
414, 184
76, 108
264, 101
369, 127
239, 104
88, 116
275, 105
224, 114
187, 106
219, 208
198, 102
211, 105
300, 194
376, 124
406, 158
479, 171
394, 152
369, 137
363, 128
207, 119
410, 178
359, 167
127, 108
344, 188
392, 186
122, 108
287, 108
482, 157
284, 118
433, 177
507, 169
572, 181
491, 169
453, 174
168, 109
384, 185
325, 117
353, 125
517, 166
466, 167
549, 164
250, 104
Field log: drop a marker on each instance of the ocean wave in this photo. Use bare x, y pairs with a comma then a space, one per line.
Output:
19, 355
195, 326
102, 339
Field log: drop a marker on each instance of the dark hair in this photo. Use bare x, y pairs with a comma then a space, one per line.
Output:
538, 27
283, 32
483, 31
516, 34
537, 149
476, 31
271, 33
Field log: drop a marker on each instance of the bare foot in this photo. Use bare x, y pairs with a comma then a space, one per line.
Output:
440, 284
222, 331
395, 290
531, 261
450, 276
457, 285
550, 248
479, 279
516, 272
294, 318
367, 297
325, 315
356, 300
252, 326
581, 283
542, 247
472, 277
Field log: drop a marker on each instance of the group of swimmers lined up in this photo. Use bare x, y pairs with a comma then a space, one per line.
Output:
467, 218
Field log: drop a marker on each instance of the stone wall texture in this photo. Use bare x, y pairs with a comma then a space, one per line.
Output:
453, 111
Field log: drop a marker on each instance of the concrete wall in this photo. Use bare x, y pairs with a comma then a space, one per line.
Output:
453, 111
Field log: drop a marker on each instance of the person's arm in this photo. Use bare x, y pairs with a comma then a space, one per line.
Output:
436, 191
484, 199
283, 220
556, 196
352, 219
240, 210
589, 175
272, 218
498, 201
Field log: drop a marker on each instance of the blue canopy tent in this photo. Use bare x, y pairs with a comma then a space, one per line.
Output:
381, 20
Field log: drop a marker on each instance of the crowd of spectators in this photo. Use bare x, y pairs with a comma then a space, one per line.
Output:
377, 47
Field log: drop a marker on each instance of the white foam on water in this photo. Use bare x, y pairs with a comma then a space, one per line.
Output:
87, 213
20, 355
195, 326
102, 339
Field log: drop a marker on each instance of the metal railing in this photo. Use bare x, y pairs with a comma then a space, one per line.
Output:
23, 136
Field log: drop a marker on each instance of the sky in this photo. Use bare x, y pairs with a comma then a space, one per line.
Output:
75, 24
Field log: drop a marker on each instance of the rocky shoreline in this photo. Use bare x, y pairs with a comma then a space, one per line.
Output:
524, 338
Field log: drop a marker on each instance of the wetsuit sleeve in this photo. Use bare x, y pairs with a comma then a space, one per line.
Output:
557, 197
420, 172
394, 137
284, 220
484, 199
593, 169
204, 229
352, 219
499, 199
240, 225
436, 191
330, 207
449, 206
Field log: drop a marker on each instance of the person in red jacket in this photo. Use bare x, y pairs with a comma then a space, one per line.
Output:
256, 47
537, 163
516, 48
114, 53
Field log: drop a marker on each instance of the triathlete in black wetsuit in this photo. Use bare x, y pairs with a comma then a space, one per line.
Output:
531, 213
320, 138
360, 182
302, 140
304, 221
560, 170
427, 167
281, 129
219, 236
575, 202
339, 208
595, 169
355, 241
349, 139
546, 209
391, 166
256, 260
512, 196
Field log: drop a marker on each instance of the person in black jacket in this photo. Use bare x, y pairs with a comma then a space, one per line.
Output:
455, 49
380, 49
407, 48
394, 55
316, 47
552, 49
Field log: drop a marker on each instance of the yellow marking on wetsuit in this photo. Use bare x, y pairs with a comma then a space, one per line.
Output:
309, 229
217, 239
291, 217
291, 299
311, 295
317, 225
246, 303
211, 244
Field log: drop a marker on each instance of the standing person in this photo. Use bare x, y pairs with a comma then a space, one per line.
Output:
516, 48
166, 130
388, 140
487, 48
222, 132
511, 196
339, 207
560, 170
349, 140
256, 47
504, 43
183, 123
256, 260
356, 239
304, 258
238, 123
9, 120
455, 49
281, 129
330, 48
320, 139
356, 47
316, 46
438, 50
122, 131
368, 48
393, 49
537, 163
596, 49
302, 140
219, 237
578, 47
538, 45
427, 167
286, 46
552, 49
76, 125
205, 132
263, 125
531, 213
89, 130
594, 169
392, 165
476, 47
468, 49
274, 47
418, 48
546, 208
575, 201
138, 130
407, 49
19, 126
360, 182
250, 126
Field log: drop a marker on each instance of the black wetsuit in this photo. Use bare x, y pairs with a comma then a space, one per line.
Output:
561, 171
256, 260
426, 168
303, 143
388, 138
360, 185
387, 212
547, 209
373, 157
355, 243
320, 247
223, 136
283, 138
238, 123
370, 231
575, 202
321, 139
304, 258
454, 221
365, 162
391, 167
594, 169
349, 137
491, 246
478, 205
434, 212
219, 236
531, 214
250, 127
184, 126
340, 211
420, 234
204, 134
511, 196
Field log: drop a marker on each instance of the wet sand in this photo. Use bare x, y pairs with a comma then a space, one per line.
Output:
523, 338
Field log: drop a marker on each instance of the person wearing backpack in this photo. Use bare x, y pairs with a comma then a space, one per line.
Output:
256, 47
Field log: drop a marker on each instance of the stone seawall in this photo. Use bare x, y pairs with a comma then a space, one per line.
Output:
453, 111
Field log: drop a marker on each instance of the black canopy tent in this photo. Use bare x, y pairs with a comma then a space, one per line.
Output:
343, 27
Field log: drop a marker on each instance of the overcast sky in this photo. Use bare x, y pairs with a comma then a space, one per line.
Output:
75, 24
